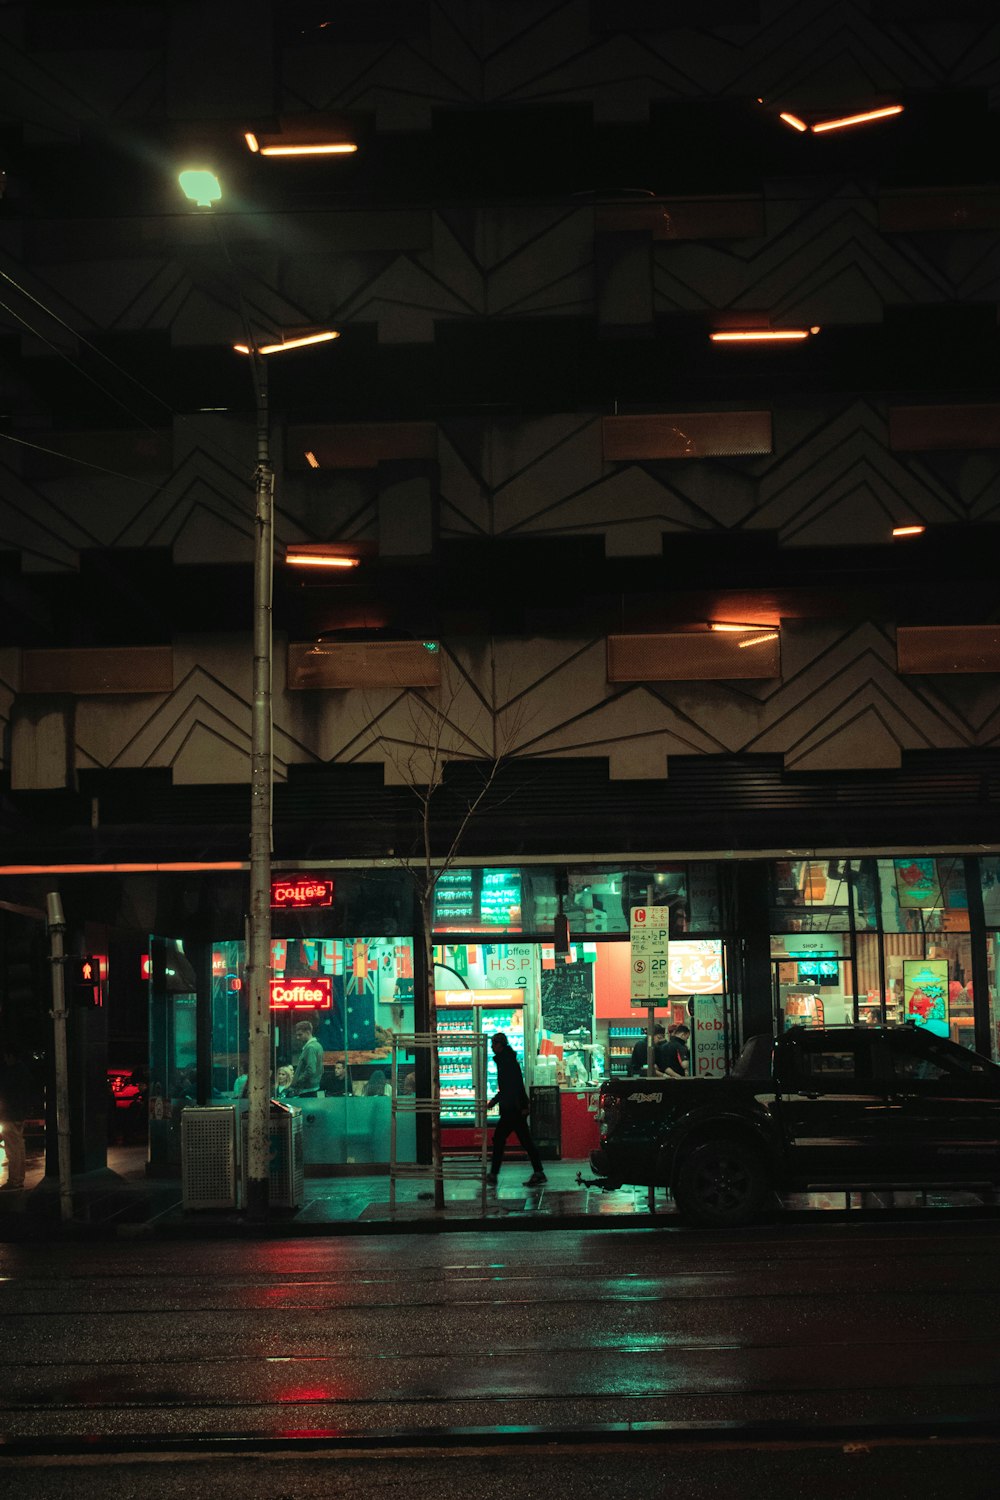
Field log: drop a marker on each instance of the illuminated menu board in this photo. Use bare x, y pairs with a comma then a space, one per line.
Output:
500, 900
455, 904
478, 900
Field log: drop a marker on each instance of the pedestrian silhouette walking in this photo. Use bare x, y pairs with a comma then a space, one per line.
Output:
513, 1100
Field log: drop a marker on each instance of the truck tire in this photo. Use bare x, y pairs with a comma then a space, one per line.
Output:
721, 1184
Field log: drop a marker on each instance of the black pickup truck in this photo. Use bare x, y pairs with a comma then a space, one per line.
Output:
845, 1107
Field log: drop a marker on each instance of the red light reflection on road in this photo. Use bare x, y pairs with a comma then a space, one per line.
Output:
306, 1395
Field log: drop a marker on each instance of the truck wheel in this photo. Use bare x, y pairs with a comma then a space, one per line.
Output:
720, 1184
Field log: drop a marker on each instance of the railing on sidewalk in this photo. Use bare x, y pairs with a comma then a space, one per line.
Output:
466, 1164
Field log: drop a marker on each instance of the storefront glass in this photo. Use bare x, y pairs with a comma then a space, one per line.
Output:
570, 1019
873, 941
357, 993
173, 1048
597, 899
927, 945
989, 879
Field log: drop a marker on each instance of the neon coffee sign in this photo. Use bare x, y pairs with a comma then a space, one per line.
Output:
302, 994
296, 892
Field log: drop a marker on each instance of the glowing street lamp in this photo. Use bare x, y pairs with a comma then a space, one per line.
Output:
200, 185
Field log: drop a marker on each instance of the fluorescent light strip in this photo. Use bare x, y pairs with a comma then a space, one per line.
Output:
915, 530
312, 338
763, 335
330, 148
311, 459
170, 868
319, 148
318, 560
758, 640
794, 121
871, 114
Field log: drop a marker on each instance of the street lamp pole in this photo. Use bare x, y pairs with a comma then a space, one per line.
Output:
202, 187
261, 784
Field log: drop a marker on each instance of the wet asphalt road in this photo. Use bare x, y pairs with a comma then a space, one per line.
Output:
404, 1338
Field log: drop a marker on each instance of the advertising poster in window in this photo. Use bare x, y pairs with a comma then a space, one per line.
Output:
925, 993
917, 883
708, 1037
695, 966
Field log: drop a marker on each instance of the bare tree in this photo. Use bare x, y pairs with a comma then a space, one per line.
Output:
420, 732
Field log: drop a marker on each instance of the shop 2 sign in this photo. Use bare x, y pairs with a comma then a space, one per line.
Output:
314, 993
299, 892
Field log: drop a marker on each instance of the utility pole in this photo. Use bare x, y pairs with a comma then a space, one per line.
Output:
261, 781
57, 958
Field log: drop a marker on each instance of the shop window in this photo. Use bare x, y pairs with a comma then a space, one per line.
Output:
838, 894
356, 993
924, 894
989, 876
478, 900
992, 960
818, 919
927, 948
598, 899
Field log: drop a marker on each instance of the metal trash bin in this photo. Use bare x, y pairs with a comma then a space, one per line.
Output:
286, 1177
546, 1121
209, 1157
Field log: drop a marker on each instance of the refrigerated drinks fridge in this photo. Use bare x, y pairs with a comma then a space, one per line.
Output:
474, 1010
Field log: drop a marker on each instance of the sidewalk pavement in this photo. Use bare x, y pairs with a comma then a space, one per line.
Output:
121, 1201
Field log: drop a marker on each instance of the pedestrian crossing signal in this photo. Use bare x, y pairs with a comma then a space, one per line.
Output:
86, 979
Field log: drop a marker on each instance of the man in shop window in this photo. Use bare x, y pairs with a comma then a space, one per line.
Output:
639, 1061
668, 1056
514, 1105
309, 1065
678, 1054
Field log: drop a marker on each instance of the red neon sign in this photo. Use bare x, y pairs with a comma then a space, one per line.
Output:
302, 994
298, 891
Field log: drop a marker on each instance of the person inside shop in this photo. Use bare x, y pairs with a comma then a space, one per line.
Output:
309, 1066
512, 1098
678, 1054
283, 1081
639, 1060
336, 1080
377, 1085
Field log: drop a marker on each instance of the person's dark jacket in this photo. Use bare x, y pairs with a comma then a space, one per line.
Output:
510, 1082
640, 1056
678, 1056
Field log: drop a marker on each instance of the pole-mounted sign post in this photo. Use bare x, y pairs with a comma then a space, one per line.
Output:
649, 936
